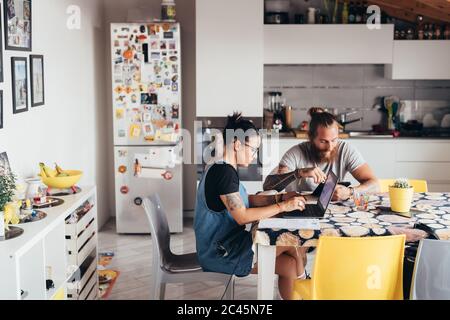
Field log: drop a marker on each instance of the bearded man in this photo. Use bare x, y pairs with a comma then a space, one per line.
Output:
307, 164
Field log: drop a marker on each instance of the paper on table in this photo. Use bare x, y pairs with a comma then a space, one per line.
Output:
280, 223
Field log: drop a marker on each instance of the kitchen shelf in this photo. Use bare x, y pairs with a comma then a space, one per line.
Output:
327, 44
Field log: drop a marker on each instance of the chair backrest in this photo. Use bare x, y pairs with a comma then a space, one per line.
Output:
359, 268
431, 276
159, 228
418, 185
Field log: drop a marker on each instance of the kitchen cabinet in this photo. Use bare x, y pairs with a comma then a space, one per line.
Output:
419, 60
53, 242
229, 45
327, 44
427, 159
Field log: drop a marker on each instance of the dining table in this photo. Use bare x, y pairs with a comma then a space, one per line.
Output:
429, 215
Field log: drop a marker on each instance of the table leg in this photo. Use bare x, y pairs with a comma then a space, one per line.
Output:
266, 271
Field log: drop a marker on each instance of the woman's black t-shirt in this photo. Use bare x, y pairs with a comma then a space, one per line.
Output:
221, 179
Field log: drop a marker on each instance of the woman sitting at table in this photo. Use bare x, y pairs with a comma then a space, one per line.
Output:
222, 211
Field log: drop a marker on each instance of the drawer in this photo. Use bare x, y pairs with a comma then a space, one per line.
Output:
418, 151
75, 229
75, 243
77, 258
76, 286
74, 294
437, 172
91, 285
93, 294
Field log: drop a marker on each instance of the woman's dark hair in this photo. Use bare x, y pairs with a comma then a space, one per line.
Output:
238, 128
319, 118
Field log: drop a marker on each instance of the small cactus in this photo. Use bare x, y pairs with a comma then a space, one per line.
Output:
401, 183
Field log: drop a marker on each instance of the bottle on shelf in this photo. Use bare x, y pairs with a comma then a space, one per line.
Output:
345, 13
358, 12
447, 32
437, 32
420, 28
351, 13
364, 12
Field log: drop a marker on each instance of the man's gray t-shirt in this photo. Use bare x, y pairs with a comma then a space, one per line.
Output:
346, 161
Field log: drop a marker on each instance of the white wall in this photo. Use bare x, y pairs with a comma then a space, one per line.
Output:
71, 128
136, 10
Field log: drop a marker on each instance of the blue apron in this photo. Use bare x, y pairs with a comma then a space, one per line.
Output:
222, 244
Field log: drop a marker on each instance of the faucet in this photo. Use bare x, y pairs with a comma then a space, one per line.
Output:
342, 118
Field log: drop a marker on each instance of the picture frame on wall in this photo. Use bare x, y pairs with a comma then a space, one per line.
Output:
18, 24
37, 80
1, 109
19, 78
1, 47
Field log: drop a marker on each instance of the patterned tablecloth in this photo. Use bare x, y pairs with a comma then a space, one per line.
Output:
430, 209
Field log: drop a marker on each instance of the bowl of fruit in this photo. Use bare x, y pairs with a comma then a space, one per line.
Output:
58, 178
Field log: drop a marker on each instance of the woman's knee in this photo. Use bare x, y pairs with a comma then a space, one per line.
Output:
286, 266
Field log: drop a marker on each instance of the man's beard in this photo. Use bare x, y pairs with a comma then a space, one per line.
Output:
320, 156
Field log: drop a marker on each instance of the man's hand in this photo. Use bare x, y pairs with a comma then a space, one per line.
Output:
316, 173
295, 203
341, 193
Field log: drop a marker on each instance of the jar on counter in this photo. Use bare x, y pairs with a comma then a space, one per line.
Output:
168, 11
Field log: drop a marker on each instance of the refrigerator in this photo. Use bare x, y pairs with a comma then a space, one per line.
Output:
146, 99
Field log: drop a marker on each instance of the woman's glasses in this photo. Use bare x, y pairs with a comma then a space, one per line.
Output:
254, 150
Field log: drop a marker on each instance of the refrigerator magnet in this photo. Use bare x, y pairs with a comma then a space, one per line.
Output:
134, 98
154, 44
174, 68
167, 82
135, 131
122, 153
122, 169
168, 35
152, 29
146, 117
121, 133
173, 58
120, 113
142, 29
167, 175
163, 45
155, 55
145, 98
116, 43
174, 87
148, 129
166, 27
172, 45
124, 190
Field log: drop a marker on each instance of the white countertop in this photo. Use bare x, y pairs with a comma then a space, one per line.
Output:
34, 231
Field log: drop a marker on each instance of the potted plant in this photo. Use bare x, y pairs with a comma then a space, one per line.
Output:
7, 189
401, 195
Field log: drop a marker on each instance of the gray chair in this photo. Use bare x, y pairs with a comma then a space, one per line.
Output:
431, 277
172, 268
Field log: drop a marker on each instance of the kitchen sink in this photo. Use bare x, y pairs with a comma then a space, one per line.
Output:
368, 134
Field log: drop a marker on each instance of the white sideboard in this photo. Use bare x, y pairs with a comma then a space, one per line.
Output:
52, 242
427, 159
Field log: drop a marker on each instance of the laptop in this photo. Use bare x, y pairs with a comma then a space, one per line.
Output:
318, 209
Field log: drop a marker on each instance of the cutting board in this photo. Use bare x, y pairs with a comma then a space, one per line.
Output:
300, 134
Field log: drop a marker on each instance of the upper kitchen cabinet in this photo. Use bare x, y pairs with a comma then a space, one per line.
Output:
230, 64
328, 44
425, 60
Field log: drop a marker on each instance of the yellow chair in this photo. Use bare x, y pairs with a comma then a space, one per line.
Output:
369, 268
418, 185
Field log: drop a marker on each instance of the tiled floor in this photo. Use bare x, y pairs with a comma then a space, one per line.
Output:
133, 260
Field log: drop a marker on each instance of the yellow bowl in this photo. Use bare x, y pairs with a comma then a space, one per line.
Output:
63, 182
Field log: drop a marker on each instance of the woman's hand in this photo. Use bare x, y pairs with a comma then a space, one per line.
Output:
316, 173
296, 203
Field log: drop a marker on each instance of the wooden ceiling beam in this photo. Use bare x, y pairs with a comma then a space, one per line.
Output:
405, 9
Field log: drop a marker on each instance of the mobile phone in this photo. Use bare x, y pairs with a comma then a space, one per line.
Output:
345, 184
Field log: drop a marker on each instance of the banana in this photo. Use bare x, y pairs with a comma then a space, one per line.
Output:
60, 171
46, 171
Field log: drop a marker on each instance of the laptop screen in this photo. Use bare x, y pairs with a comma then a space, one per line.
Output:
328, 189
